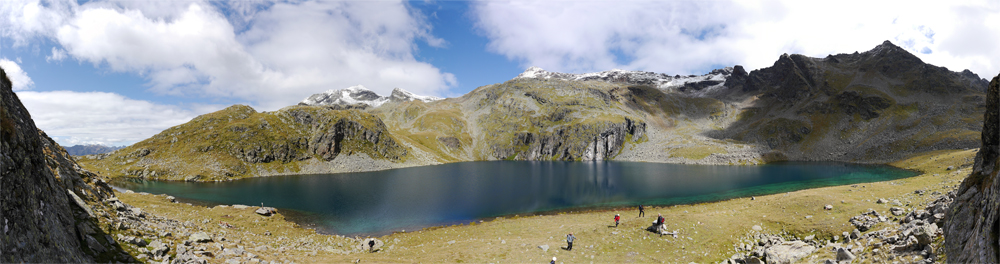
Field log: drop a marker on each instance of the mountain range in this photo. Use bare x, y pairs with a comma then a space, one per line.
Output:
866, 107
80, 150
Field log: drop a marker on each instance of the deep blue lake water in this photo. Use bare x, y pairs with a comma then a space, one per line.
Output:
380, 202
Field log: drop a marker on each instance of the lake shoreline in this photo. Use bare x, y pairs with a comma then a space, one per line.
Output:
705, 230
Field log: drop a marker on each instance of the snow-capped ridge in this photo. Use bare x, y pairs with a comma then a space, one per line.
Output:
695, 84
404, 95
359, 94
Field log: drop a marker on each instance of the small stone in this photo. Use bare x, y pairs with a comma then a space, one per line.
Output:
950, 168
881, 201
828, 207
240, 206
171, 199
757, 228
545, 248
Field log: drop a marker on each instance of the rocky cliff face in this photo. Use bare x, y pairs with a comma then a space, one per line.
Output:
973, 228
44, 195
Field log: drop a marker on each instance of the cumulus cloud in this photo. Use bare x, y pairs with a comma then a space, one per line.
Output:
18, 78
279, 54
103, 118
691, 37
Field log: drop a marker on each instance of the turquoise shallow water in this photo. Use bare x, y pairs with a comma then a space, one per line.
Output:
373, 203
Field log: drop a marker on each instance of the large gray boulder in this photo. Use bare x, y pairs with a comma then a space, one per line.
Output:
787, 252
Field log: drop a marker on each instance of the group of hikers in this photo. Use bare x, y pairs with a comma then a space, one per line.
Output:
642, 212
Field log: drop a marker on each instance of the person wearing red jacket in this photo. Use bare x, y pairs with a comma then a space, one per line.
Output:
617, 217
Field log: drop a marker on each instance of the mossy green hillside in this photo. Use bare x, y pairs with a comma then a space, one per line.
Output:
239, 142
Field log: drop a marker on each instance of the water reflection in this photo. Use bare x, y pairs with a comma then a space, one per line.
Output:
411, 198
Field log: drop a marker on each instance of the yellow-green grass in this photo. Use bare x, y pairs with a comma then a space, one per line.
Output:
708, 231
696, 152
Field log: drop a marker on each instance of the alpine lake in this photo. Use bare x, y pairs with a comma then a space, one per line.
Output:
382, 202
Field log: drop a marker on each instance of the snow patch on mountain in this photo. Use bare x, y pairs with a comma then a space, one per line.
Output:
358, 94
692, 84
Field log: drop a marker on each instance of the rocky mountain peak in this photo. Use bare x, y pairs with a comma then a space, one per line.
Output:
890, 51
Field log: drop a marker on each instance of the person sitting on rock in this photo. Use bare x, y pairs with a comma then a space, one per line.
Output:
371, 245
617, 217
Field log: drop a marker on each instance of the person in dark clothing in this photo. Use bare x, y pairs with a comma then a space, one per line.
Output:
617, 217
569, 241
659, 219
371, 245
553, 260
642, 211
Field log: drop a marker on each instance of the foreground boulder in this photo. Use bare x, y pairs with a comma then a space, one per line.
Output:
973, 228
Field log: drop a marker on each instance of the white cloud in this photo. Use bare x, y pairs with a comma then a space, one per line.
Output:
689, 37
276, 57
57, 55
18, 78
103, 118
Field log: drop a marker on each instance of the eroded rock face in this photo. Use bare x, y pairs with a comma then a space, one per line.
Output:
973, 228
40, 220
590, 142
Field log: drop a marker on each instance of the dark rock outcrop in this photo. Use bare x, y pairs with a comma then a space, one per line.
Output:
973, 228
43, 195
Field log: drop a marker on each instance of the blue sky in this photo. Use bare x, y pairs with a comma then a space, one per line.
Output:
115, 72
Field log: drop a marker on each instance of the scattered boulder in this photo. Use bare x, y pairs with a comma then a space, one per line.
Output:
881, 201
925, 234
867, 220
844, 254
158, 249
137, 212
240, 206
200, 237
828, 207
897, 211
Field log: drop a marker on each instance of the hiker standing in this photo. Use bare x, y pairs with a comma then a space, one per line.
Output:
642, 211
569, 241
617, 217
